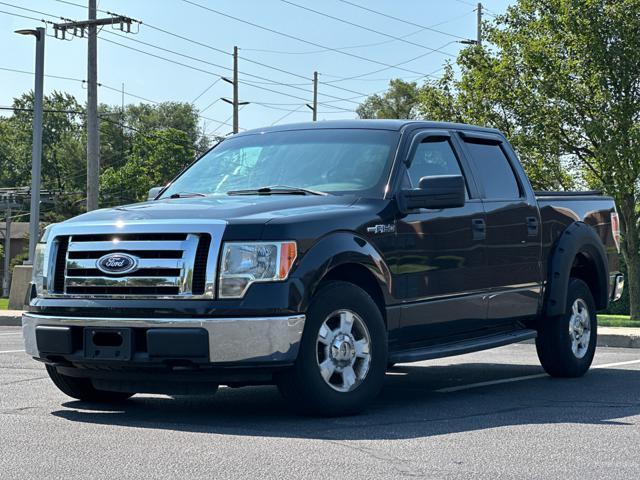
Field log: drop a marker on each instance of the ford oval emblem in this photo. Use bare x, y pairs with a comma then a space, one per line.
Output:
117, 263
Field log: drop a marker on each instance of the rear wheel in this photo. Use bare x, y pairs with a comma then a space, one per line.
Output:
81, 388
343, 353
566, 344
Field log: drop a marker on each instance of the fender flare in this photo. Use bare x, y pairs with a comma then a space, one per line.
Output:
576, 238
335, 250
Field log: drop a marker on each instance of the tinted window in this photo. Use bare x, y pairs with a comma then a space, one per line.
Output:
495, 172
433, 158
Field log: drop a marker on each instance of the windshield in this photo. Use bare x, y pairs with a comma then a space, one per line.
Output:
325, 160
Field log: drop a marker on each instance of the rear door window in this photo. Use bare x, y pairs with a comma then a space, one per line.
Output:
494, 171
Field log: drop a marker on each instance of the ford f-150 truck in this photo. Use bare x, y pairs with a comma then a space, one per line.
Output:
315, 256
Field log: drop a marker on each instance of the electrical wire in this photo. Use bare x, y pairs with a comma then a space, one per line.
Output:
351, 47
399, 19
347, 22
293, 37
286, 115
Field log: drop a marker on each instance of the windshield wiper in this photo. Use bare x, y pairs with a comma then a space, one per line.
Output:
276, 190
186, 195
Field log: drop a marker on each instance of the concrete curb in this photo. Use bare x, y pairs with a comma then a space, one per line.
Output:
619, 337
10, 318
607, 336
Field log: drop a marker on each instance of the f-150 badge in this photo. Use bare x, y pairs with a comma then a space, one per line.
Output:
382, 229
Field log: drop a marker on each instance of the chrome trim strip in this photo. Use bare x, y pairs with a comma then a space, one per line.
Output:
104, 246
248, 339
123, 282
143, 263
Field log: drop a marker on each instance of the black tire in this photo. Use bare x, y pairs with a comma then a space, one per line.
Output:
81, 388
304, 386
554, 342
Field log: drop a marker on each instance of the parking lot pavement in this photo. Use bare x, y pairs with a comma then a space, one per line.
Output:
485, 415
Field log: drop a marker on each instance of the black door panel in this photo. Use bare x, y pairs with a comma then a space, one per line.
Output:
513, 238
441, 263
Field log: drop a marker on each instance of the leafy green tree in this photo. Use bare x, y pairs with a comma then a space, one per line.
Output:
62, 140
399, 101
155, 159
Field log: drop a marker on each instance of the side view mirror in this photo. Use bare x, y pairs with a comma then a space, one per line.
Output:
153, 193
436, 192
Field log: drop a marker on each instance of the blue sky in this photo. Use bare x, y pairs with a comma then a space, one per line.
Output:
159, 80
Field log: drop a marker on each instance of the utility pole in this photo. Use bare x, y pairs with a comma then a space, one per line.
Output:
479, 25
7, 249
314, 107
36, 147
93, 124
236, 103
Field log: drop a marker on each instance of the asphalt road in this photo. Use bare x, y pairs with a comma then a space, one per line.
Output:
484, 415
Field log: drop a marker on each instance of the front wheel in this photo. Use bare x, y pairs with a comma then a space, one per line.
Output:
82, 389
343, 353
566, 344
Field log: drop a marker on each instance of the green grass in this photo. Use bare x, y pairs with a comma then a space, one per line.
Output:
4, 303
617, 321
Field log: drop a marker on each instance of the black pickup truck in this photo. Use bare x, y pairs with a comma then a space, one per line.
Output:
315, 256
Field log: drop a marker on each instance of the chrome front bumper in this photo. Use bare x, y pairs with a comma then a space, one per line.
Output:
252, 339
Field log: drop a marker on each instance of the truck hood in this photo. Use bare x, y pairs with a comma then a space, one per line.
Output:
232, 209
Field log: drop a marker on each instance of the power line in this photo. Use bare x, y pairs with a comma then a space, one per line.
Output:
245, 82
182, 37
102, 85
342, 20
364, 45
354, 77
22, 16
206, 89
32, 11
403, 20
293, 37
286, 115
195, 42
190, 57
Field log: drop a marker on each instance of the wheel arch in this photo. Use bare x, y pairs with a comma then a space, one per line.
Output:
578, 253
348, 257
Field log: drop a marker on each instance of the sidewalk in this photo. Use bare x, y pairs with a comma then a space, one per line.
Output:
607, 336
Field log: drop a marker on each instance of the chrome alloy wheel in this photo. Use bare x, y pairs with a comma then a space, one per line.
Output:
580, 328
343, 350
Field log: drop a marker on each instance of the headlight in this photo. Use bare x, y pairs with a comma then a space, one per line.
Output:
246, 263
39, 264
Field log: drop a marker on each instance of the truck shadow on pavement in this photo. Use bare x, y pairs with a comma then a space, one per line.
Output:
409, 406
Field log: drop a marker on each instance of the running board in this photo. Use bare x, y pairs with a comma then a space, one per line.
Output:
462, 347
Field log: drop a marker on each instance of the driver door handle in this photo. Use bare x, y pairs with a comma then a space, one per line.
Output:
479, 228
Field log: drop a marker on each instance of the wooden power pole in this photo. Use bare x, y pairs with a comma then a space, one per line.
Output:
93, 123
235, 103
314, 107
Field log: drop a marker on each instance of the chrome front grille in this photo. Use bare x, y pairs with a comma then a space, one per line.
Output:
176, 264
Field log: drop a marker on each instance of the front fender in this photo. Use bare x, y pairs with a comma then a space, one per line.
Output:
577, 238
338, 249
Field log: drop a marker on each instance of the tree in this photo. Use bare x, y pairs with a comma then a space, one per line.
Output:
62, 141
561, 78
155, 159
399, 101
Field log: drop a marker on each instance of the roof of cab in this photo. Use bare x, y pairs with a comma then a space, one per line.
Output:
366, 124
